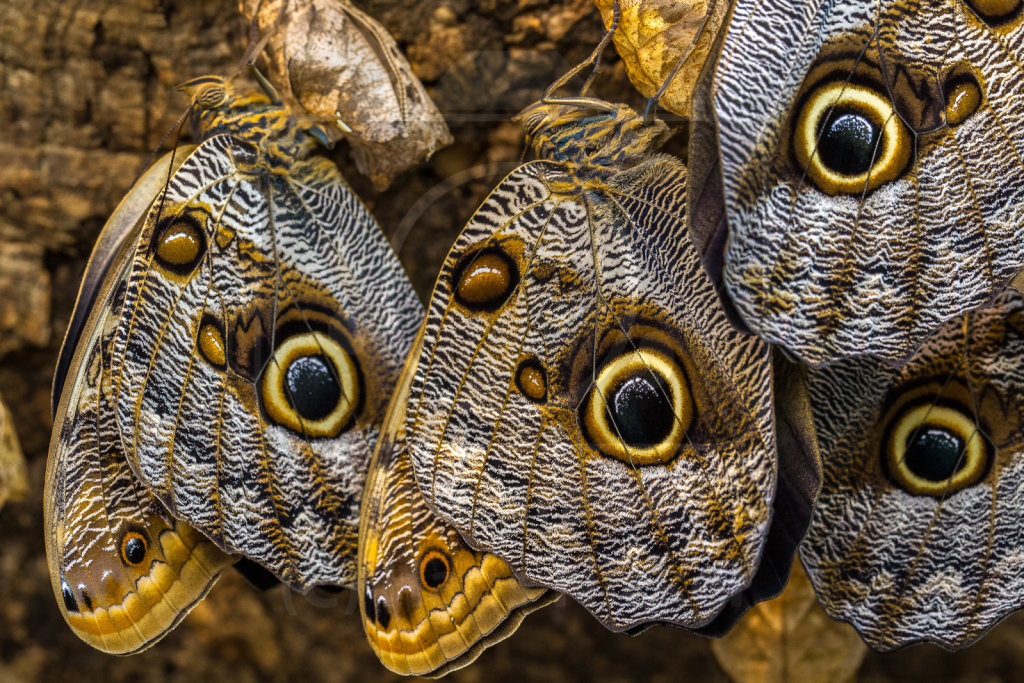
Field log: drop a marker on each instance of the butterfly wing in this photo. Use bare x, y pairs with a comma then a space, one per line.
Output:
916, 535
559, 299
431, 603
870, 168
265, 322
123, 571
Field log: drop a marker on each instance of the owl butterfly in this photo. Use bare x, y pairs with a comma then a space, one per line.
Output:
123, 571
870, 164
265, 321
917, 532
582, 408
341, 66
431, 604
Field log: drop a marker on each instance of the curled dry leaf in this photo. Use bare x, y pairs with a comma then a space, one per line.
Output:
13, 482
344, 68
790, 638
654, 34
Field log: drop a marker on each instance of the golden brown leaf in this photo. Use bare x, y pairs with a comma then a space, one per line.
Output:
345, 69
790, 638
13, 483
654, 34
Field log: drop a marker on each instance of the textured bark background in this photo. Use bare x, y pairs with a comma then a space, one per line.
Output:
86, 94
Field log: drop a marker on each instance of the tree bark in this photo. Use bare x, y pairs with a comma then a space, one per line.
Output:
87, 94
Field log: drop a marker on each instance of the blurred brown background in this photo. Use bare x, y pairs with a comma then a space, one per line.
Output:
86, 94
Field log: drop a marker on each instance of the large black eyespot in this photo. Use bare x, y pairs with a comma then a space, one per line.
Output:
313, 389
313, 385
848, 138
848, 141
434, 568
639, 408
935, 449
133, 548
933, 452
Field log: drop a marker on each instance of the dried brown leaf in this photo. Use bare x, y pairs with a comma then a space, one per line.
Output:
654, 34
790, 638
344, 68
13, 481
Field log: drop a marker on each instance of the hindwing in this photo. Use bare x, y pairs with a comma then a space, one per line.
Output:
870, 167
264, 324
431, 604
582, 407
917, 532
123, 570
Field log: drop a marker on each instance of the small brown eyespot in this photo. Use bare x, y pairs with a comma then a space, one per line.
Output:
531, 379
485, 279
180, 244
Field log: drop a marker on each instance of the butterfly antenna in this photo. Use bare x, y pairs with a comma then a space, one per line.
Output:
594, 59
608, 35
652, 102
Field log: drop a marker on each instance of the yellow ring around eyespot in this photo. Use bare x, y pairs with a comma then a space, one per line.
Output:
630, 364
895, 151
974, 459
275, 396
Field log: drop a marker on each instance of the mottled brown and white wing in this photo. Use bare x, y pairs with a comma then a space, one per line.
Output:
917, 532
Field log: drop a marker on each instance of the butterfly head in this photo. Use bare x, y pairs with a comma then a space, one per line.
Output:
218, 106
590, 132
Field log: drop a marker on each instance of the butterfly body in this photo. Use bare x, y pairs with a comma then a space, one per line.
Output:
265, 321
